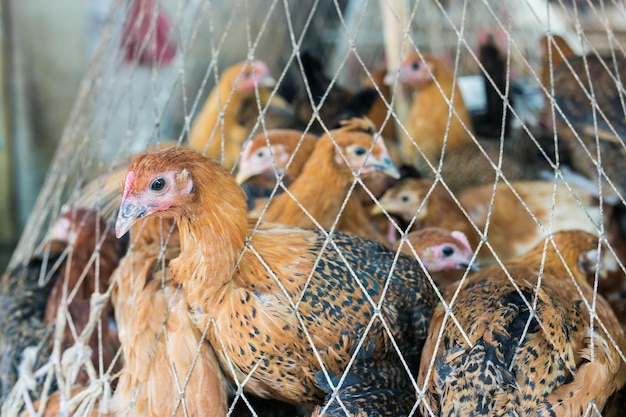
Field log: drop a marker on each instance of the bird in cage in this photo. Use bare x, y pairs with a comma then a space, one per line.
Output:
512, 216
164, 353
279, 153
445, 254
283, 306
439, 127
528, 338
326, 169
230, 113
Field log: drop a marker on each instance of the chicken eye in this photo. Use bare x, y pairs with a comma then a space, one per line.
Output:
359, 150
158, 184
404, 198
415, 65
260, 154
447, 251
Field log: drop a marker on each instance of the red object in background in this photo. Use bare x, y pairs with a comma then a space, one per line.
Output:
147, 37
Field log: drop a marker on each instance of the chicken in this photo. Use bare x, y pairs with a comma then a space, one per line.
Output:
494, 75
147, 38
280, 304
524, 344
279, 152
78, 310
431, 206
217, 130
593, 134
82, 286
552, 54
164, 353
327, 169
24, 290
445, 254
381, 380
436, 128
74, 298
429, 123
512, 226
318, 91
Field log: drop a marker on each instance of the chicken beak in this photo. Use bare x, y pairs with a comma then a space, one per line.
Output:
242, 176
377, 209
474, 267
128, 215
266, 81
390, 77
387, 166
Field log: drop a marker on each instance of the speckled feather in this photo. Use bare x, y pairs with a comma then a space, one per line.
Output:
250, 310
509, 371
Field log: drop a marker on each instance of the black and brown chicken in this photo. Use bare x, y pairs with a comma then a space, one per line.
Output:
531, 339
591, 118
281, 304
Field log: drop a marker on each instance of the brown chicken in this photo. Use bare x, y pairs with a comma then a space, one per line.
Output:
280, 151
431, 205
218, 131
511, 226
431, 121
433, 127
445, 254
83, 285
553, 52
280, 304
78, 310
593, 134
524, 344
327, 170
164, 353
318, 95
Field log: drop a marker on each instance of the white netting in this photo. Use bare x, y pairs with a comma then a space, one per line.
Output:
142, 92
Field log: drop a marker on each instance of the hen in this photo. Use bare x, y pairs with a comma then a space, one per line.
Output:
282, 306
281, 152
445, 254
497, 87
553, 52
514, 224
337, 158
590, 118
218, 130
523, 344
168, 369
437, 114
82, 287
421, 203
439, 124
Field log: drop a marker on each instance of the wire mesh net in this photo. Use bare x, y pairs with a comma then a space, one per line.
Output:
97, 325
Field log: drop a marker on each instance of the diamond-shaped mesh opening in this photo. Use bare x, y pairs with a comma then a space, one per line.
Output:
428, 274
